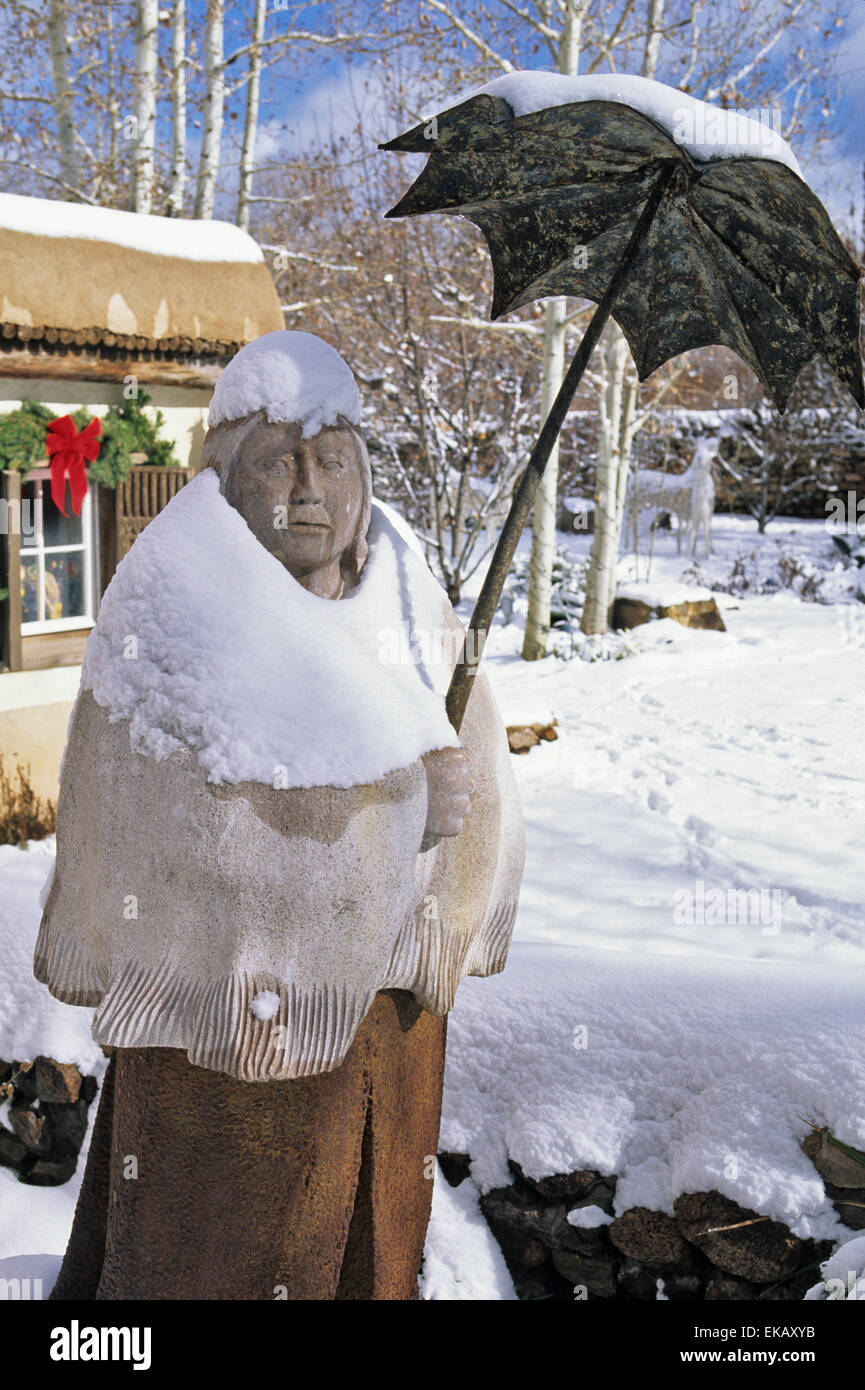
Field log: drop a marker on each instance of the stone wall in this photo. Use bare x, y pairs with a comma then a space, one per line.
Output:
643, 1253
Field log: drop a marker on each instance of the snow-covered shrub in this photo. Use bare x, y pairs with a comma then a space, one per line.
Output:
771, 570
570, 642
566, 640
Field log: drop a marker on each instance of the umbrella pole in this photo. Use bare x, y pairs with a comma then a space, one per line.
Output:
491, 589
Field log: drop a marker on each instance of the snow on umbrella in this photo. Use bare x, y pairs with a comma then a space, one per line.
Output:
686, 242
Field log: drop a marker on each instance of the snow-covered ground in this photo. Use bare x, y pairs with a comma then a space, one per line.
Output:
653, 1021
34, 1221
689, 970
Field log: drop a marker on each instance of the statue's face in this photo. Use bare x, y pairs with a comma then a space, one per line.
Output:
301, 497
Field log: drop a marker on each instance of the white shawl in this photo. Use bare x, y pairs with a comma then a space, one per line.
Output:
242, 804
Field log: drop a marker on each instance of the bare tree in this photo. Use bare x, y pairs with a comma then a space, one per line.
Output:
101, 145
778, 463
555, 329
177, 184
617, 401
214, 104
765, 49
451, 400
63, 104
250, 127
146, 53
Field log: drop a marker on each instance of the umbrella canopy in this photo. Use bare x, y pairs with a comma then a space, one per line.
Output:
684, 247
739, 251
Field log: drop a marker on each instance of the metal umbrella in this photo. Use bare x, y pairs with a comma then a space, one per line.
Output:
595, 199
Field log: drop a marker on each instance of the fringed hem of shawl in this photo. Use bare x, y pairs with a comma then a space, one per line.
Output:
310, 1031
431, 964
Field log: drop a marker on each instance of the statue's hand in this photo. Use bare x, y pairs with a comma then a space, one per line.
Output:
449, 788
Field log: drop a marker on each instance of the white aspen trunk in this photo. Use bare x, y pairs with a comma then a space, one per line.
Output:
214, 102
60, 46
544, 517
250, 128
544, 523
601, 577
146, 40
177, 186
618, 405
654, 20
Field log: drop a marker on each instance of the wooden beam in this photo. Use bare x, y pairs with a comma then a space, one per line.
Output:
106, 549
80, 366
42, 650
10, 570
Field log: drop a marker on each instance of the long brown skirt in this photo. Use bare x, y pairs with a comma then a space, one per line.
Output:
198, 1186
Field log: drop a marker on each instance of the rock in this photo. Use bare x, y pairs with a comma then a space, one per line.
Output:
637, 1280
522, 737
723, 1288
849, 1202
68, 1125
89, 1089
546, 732
543, 1283
597, 1275
565, 1187
700, 612
49, 1172
682, 1288
24, 1080
516, 1225
582, 1240
6, 1069
649, 1236
600, 1194
455, 1167
833, 1164
761, 1252
56, 1081
793, 1290
520, 1219
532, 1252
12, 1152
31, 1127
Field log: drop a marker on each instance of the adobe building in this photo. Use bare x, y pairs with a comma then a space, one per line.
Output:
95, 304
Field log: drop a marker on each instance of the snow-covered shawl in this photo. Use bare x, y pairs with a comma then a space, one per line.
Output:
242, 803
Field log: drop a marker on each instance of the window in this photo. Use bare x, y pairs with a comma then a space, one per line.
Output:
56, 560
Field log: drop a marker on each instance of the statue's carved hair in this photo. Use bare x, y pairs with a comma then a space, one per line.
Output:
224, 445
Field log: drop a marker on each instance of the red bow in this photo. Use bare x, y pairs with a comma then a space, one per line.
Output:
70, 449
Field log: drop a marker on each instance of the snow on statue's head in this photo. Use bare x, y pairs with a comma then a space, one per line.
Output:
282, 435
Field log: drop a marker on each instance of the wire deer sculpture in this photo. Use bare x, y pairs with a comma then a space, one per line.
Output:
689, 496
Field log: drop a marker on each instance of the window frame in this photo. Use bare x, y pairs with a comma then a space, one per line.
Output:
75, 622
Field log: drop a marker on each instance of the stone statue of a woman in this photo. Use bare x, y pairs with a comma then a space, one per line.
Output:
275, 864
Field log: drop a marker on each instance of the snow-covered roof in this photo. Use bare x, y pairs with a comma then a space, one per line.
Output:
93, 284
706, 132
160, 236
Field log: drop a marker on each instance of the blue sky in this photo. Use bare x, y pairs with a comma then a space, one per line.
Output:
303, 97
326, 93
